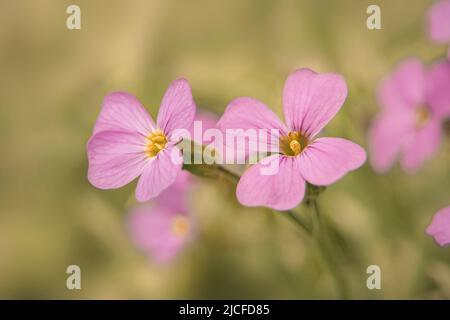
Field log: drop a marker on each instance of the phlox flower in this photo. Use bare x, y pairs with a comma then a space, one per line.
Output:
162, 228
126, 142
439, 22
414, 102
310, 101
439, 228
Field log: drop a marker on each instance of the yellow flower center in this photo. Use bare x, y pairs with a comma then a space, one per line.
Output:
180, 225
293, 143
156, 141
422, 116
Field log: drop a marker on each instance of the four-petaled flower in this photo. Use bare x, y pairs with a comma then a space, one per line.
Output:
310, 101
414, 102
126, 143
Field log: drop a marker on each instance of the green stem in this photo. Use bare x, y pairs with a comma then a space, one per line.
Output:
218, 171
299, 221
319, 231
225, 171
321, 236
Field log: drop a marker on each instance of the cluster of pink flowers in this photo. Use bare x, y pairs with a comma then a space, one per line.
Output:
415, 103
126, 143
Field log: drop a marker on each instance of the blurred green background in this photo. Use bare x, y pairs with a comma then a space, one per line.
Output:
53, 81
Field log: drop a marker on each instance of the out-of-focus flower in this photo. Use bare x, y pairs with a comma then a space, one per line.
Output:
310, 101
164, 226
439, 22
126, 143
439, 228
414, 103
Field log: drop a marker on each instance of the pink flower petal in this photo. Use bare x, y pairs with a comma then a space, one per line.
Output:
405, 87
250, 114
175, 196
115, 158
422, 145
438, 88
177, 108
151, 229
326, 160
387, 136
439, 21
311, 100
159, 173
282, 190
122, 111
439, 228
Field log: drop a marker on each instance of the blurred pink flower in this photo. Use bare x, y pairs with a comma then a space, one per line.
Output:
439, 22
163, 227
310, 101
126, 143
439, 228
414, 103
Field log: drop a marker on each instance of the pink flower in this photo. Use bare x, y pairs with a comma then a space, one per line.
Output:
164, 227
439, 22
439, 228
126, 143
310, 101
414, 104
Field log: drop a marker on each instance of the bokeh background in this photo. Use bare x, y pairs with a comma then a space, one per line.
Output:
52, 84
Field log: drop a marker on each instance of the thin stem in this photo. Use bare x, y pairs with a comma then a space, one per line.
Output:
299, 221
227, 172
289, 213
318, 231
321, 235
